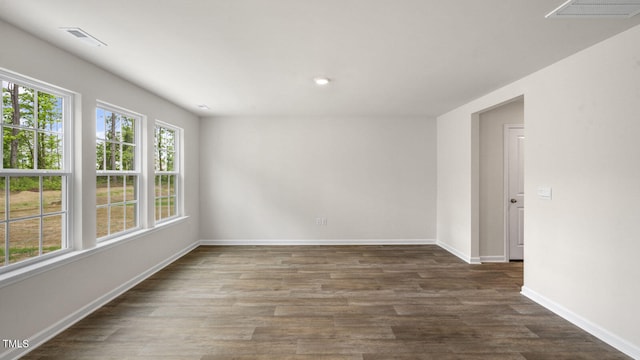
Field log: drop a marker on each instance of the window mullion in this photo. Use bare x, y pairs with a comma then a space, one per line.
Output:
108, 205
36, 123
168, 195
124, 205
104, 153
41, 240
6, 219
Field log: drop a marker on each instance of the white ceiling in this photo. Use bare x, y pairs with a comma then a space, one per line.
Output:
258, 57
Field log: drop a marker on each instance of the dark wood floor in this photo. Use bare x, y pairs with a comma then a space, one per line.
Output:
331, 302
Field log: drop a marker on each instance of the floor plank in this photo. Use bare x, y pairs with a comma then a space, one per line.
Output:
326, 302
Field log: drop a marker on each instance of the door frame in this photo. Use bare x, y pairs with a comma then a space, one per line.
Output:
506, 196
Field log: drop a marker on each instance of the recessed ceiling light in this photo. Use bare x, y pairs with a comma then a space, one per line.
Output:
203, 107
83, 36
321, 81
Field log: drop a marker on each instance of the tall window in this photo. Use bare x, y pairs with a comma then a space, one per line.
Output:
166, 172
118, 171
34, 174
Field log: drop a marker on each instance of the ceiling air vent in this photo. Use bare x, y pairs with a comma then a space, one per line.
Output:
83, 36
596, 9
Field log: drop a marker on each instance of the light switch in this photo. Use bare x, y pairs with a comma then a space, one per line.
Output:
544, 192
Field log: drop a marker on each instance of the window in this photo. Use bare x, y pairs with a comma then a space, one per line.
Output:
35, 170
118, 171
166, 172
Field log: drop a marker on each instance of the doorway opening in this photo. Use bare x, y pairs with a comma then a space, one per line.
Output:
500, 209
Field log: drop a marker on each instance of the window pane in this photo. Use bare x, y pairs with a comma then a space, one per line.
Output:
166, 185
131, 216
172, 185
18, 147
172, 206
116, 219
17, 104
24, 199
100, 156
165, 160
160, 163
100, 132
128, 130
102, 190
158, 209
49, 151
162, 154
111, 126
49, 112
165, 149
130, 188
170, 161
52, 193
116, 189
102, 222
128, 158
112, 156
7, 102
3, 214
2, 245
170, 139
166, 138
52, 233
24, 239
169, 147
158, 186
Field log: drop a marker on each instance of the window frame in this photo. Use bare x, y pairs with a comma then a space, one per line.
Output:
65, 173
177, 172
139, 120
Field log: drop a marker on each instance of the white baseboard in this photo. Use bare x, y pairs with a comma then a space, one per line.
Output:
278, 242
299, 242
493, 259
460, 254
53, 330
601, 333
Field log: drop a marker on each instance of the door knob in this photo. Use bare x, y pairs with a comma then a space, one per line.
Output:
513, 201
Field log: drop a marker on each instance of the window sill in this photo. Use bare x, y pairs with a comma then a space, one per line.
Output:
70, 256
130, 236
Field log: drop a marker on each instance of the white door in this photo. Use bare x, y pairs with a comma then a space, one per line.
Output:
515, 191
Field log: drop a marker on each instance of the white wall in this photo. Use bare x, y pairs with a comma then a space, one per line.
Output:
491, 201
38, 305
454, 185
270, 178
581, 249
